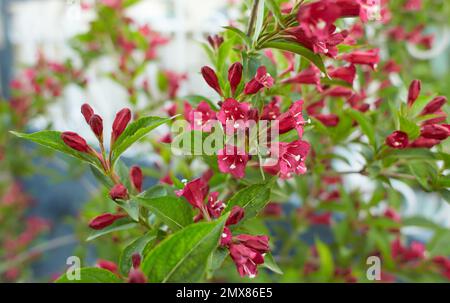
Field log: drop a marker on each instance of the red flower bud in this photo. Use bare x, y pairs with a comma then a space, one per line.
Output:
104, 220
422, 142
397, 139
235, 76
96, 124
136, 276
87, 112
236, 215
435, 131
136, 260
330, 120
414, 91
121, 121
75, 141
215, 41
136, 177
118, 192
434, 105
211, 78
108, 265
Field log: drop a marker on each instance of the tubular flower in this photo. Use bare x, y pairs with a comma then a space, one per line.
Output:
262, 79
195, 192
104, 220
211, 79
290, 159
233, 160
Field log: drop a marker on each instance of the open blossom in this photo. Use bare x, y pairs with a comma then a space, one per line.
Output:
290, 159
397, 139
201, 118
104, 220
233, 160
234, 115
370, 57
248, 252
272, 110
195, 192
292, 119
214, 206
262, 79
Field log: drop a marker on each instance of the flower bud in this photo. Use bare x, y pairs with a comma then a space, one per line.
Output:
236, 215
397, 139
104, 220
422, 142
435, 131
96, 124
215, 41
108, 265
136, 260
211, 78
118, 192
136, 177
87, 112
414, 91
75, 141
121, 121
136, 276
235, 76
434, 105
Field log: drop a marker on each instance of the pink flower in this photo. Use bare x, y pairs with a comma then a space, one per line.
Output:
233, 160
290, 159
195, 192
272, 110
413, 5
397, 139
262, 79
115, 4
307, 76
202, 118
415, 251
235, 115
370, 57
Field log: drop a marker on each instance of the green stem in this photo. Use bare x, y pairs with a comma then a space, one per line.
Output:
252, 21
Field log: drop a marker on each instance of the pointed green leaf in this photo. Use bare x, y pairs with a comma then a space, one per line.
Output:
137, 246
184, 254
91, 275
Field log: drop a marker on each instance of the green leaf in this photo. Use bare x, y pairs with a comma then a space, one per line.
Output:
240, 33
119, 225
131, 207
259, 20
91, 275
412, 154
137, 246
52, 139
173, 211
409, 127
326, 268
296, 48
182, 256
216, 260
135, 131
252, 199
270, 264
194, 100
276, 11
366, 125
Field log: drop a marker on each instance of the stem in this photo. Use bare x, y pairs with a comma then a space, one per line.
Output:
252, 21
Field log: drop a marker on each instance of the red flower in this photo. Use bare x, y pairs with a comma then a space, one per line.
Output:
236, 215
202, 118
246, 260
330, 120
233, 160
136, 177
136, 276
214, 206
235, 115
211, 79
291, 119
235, 76
320, 219
96, 124
75, 141
370, 57
414, 91
87, 112
225, 239
422, 142
118, 192
256, 243
434, 106
307, 76
290, 159
262, 79
272, 110
397, 139
215, 41
415, 252
346, 73
104, 220
435, 131
108, 265
121, 121
195, 192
